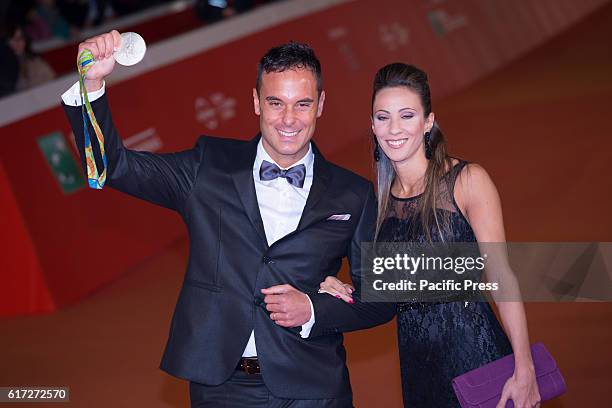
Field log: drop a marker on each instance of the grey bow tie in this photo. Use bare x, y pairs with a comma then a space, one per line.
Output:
294, 175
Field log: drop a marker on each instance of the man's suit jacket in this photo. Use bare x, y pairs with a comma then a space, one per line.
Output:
211, 187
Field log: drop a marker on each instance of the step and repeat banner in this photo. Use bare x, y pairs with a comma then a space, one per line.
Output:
61, 241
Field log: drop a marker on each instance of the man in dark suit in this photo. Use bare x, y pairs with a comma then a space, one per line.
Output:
268, 220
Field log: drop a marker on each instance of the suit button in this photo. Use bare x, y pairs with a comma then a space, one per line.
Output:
267, 260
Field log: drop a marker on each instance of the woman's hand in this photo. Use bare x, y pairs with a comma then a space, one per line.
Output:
337, 288
522, 389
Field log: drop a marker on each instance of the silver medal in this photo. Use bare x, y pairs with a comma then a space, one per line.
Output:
132, 49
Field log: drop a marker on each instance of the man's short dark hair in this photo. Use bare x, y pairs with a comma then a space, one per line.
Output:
292, 55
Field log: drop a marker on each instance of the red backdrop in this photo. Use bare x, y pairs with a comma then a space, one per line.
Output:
56, 246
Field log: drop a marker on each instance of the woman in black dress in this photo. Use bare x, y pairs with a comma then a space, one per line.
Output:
426, 196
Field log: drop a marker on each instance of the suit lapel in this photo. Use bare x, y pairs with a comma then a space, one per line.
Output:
242, 174
320, 183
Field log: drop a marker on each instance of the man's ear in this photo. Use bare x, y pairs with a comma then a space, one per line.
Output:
320, 104
256, 106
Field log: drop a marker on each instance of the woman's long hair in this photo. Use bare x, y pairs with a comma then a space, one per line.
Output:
413, 78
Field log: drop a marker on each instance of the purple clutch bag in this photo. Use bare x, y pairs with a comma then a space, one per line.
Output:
482, 387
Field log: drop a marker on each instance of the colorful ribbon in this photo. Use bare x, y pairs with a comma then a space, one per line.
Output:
95, 180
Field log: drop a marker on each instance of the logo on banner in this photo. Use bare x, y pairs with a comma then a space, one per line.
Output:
339, 35
393, 36
63, 165
146, 141
215, 109
443, 23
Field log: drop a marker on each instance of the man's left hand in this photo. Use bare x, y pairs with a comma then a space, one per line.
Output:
288, 306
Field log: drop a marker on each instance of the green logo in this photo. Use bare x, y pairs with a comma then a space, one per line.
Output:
61, 161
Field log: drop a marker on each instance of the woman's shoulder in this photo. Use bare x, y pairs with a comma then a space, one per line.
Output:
470, 172
472, 182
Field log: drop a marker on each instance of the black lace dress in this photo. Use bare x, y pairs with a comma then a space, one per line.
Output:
440, 340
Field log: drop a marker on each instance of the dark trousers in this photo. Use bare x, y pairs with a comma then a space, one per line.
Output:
249, 391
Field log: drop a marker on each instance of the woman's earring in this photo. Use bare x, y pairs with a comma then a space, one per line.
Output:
428, 152
376, 151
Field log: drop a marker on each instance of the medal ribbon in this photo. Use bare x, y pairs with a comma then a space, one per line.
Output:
96, 180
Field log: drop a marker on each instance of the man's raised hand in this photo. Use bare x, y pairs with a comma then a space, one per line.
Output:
102, 48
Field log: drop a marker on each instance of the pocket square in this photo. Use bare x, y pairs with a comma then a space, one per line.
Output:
339, 217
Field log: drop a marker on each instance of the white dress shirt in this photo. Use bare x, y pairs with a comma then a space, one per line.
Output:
280, 203
72, 97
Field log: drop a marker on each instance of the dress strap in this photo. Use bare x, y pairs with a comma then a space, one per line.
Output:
454, 174
457, 169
